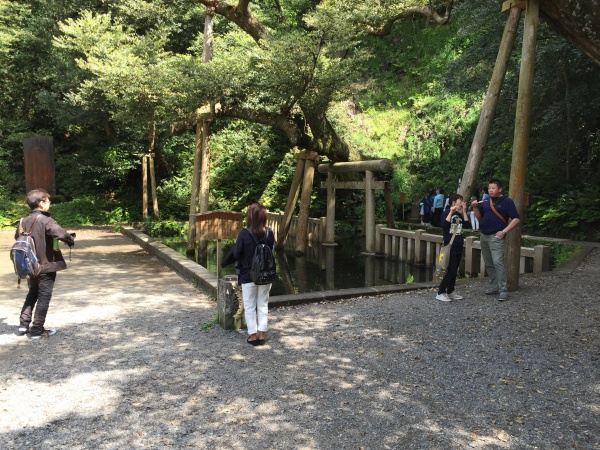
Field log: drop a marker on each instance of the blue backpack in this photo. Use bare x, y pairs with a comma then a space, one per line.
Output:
22, 254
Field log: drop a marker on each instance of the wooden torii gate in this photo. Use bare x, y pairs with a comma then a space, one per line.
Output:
522, 120
369, 185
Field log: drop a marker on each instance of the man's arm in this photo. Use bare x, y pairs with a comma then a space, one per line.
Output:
511, 224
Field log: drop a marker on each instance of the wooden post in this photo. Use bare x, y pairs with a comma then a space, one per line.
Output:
330, 232
307, 185
369, 214
521, 138
389, 208
144, 187
488, 110
291, 201
39, 167
153, 185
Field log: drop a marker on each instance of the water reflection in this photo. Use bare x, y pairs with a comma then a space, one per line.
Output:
323, 268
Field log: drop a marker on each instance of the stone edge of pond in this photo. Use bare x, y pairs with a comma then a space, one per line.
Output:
188, 269
203, 278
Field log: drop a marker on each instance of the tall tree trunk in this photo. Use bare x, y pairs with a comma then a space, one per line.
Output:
488, 109
200, 177
191, 240
567, 121
521, 139
205, 168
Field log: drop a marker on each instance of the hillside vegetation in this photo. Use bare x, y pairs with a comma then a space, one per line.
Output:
412, 95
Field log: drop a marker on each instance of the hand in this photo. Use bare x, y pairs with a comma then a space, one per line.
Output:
475, 204
500, 235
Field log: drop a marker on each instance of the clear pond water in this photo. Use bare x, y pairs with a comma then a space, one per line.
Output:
321, 268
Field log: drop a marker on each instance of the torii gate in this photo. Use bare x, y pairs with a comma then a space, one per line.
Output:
369, 185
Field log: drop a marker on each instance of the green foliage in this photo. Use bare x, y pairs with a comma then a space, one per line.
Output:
95, 75
89, 211
166, 228
11, 212
574, 214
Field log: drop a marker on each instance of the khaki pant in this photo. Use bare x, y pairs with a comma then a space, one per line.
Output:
492, 250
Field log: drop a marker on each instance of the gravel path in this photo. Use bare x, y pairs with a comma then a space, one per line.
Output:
136, 364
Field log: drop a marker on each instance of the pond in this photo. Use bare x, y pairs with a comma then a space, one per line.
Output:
321, 268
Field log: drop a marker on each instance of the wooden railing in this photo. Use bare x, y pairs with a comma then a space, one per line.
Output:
423, 248
316, 227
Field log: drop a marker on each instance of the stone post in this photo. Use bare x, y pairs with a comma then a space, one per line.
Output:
230, 307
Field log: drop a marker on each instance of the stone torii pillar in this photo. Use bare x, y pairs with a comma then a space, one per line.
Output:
369, 185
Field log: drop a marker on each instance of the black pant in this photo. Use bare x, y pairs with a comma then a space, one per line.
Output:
38, 297
449, 280
436, 218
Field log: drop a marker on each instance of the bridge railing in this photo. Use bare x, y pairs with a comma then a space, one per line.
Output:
316, 227
423, 248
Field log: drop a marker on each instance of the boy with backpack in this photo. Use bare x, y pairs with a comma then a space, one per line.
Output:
45, 233
254, 252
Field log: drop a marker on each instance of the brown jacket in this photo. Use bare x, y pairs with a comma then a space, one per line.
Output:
45, 229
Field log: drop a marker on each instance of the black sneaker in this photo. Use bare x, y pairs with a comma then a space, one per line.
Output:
23, 330
45, 334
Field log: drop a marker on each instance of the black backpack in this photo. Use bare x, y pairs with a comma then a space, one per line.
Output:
262, 266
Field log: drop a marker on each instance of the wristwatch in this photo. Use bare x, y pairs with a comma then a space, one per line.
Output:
504, 232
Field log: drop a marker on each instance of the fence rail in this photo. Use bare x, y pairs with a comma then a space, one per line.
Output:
423, 248
418, 246
316, 227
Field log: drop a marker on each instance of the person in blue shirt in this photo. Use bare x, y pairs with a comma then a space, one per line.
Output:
438, 207
454, 219
255, 297
497, 216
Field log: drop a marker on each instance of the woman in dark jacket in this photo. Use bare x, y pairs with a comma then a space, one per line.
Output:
453, 220
256, 297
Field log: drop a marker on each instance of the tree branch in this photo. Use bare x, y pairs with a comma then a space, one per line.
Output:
241, 15
427, 11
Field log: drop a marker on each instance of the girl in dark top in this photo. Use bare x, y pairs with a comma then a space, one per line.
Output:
453, 220
256, 298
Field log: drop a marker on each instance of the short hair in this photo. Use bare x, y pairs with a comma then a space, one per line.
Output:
35, 197
453, 197
496, 181
256, 218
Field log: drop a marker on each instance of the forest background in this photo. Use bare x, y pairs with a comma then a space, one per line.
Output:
111, 80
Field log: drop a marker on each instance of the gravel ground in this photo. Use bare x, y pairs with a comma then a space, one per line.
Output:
136, 364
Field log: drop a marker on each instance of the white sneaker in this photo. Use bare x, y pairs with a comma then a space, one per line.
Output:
443, 297
455, 296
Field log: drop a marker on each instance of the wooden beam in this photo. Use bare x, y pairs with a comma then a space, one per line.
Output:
356, 185
507, 5
374, 165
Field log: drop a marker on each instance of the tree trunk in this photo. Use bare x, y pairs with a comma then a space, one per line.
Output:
191, 241
200, 178
303, 215
521, 139
205, 167
488, 109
